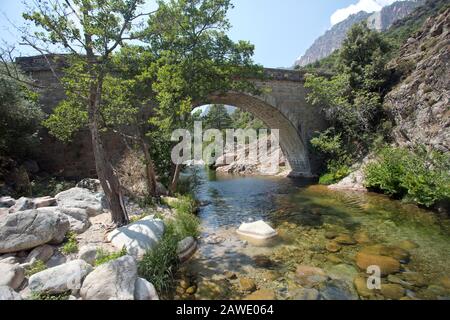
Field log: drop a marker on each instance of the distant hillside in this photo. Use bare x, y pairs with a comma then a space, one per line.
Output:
333, 38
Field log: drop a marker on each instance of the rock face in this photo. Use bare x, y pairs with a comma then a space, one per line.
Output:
138, 237
419, 104
6, 293
114, 280
144, 290
333, 38
28, 229
258, 230
63, 278
78, 198
242, 163
11, 275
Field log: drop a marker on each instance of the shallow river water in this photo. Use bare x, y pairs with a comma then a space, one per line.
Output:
320, 233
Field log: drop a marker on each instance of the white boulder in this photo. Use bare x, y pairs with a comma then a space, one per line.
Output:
7, 202
81, 199
7, 293
144, 290
138, 237
258, 230
59, 279
42, 253
114, 280
28, 229
11, 275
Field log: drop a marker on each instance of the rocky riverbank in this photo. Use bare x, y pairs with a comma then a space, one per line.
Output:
66, 247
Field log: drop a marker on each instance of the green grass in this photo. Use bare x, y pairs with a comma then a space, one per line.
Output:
50, 297
36, 267
71, 245
105, 257
160, 265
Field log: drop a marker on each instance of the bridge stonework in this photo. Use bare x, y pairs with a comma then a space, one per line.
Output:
282, 106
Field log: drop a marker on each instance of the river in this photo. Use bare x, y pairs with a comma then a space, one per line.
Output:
320, 231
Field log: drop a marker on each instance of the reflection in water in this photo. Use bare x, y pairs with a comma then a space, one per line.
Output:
307, 217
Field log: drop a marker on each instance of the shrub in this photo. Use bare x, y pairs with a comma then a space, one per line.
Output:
71, 245
36, 267
418, 176
105, 256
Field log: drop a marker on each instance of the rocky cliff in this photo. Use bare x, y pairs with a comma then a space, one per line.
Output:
333, 38
419, 105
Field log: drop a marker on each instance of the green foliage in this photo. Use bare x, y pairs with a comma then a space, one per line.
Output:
50, 297
36, 267
49, 187
103, 256
71, 244
421, 177
245, 120
352, 100
217, 118
20, 118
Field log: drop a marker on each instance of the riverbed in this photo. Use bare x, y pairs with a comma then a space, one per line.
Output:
320, 233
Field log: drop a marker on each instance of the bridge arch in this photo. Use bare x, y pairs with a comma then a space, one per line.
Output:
291, 142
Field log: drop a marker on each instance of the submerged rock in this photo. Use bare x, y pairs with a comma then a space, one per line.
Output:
392, 291
338, 290
138, 237
387, 265
247, 284
263, 294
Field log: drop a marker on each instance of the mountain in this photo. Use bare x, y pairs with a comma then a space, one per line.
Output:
333, 38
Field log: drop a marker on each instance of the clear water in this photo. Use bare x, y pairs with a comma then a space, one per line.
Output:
302, 213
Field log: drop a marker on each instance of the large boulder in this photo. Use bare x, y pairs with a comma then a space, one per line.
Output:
114, 280
43, 202
78, 219
7, 293
144, 290
59, 279
82, 199
11, 275
88, 253
258, 230
28, 229
138, 237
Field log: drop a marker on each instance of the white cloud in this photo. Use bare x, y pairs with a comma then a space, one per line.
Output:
362, 5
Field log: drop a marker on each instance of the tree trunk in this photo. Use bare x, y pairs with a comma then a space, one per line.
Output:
108, 179
175, 178
149, 167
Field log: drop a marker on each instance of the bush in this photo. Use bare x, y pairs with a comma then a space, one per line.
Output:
36, 267
421, 177
105, 257
71, 245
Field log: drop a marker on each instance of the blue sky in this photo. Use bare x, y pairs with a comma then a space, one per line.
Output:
281, 30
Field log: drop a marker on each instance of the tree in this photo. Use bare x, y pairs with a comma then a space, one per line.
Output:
352, 99
245, 120
195, 58
89, 31
21, 116
217, 118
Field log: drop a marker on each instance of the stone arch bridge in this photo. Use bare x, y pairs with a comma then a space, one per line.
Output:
283, 106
